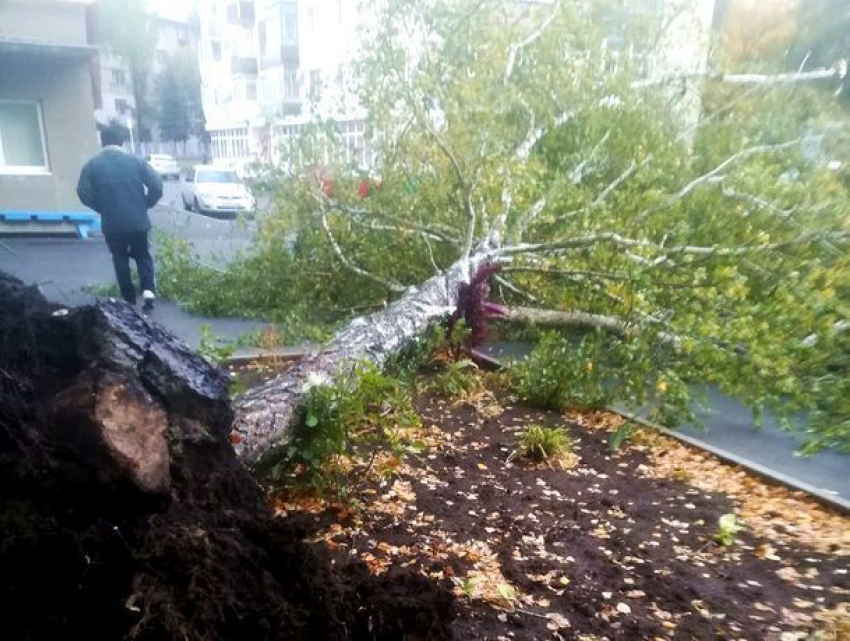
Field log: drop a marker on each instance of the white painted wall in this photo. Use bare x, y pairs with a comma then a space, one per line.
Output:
229, 99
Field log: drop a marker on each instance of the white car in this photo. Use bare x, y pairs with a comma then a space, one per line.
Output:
164, 165
216, 190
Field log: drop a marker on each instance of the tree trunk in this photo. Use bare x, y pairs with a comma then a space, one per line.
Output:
264, 415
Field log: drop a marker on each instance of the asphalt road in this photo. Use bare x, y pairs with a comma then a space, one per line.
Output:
68, 269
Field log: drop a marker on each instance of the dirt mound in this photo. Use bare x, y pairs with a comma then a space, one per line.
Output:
124, 512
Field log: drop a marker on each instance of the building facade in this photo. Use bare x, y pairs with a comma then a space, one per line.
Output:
47, 131
114, 97
249, 55
227, 53
279, 83
313, 57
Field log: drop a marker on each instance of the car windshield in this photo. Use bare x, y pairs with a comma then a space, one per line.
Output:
217, 176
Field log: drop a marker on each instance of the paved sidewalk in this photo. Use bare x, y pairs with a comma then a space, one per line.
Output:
68, 269
728, 427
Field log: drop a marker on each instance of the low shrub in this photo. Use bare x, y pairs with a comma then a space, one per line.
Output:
559, 374
346, 427
540, 443
458, 380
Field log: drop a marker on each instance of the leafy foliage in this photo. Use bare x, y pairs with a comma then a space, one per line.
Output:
727, 528
178, 98
346, 426
459, 379
704, 234
270, 286
213, 348
417, 354
540, 443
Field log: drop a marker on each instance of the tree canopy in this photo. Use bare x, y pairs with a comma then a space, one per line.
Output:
178, 97
125, 28
672, 251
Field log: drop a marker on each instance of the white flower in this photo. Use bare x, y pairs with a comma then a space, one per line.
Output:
315, 379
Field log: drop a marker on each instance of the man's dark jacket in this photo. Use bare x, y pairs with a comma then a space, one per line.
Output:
121, 188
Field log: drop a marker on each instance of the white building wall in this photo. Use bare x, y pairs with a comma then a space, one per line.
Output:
230, 97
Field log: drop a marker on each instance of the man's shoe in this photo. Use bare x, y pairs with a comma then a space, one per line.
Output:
149, 298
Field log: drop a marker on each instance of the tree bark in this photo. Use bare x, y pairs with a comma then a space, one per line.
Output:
559, 318
265, 414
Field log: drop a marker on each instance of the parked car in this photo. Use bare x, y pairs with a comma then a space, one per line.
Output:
164, 165
216, 190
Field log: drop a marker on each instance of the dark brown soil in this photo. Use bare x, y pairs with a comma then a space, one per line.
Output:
86, 554
615, 554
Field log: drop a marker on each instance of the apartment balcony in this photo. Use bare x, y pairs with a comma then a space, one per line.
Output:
241, 13
243, 66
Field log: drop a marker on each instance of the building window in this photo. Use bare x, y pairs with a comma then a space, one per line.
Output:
22, 148
290, 83
119, 78
230, 144
121, 106
251, 90
216, 51
161, 57
316, 84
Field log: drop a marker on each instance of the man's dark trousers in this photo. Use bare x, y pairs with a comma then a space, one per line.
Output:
124, 246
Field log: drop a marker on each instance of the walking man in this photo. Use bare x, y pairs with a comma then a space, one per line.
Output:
121, 188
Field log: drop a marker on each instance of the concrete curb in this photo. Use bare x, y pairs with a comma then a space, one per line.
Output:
822, 496
283, 354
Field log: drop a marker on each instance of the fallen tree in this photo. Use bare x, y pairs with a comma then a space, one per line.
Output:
531, 145
125, 513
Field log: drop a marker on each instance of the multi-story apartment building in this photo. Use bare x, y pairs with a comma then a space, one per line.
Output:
329, 44
327, 36
249, 55
278, 52
114, 96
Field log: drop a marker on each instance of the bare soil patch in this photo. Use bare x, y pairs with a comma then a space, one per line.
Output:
614, 547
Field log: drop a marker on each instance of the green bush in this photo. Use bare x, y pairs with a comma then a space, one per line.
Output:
458, 379
593, 370
559, 374
345, 426
417, 354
